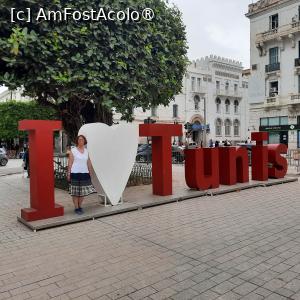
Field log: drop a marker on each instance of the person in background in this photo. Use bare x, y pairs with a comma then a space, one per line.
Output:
17, 150
26, 162
217, 144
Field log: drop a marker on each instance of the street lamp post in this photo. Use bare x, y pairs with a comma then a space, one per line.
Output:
204, 131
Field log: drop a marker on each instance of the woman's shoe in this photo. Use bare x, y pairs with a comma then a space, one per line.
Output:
77, 211
80, 210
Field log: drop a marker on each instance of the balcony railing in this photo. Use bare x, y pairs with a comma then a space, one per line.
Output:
297, 62
295, 99
229, 93
281, 31
272, 101
272, 67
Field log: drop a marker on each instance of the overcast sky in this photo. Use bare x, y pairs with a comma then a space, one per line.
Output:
216, 27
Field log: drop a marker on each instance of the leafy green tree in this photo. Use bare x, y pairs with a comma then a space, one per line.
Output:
88, 69
12, 112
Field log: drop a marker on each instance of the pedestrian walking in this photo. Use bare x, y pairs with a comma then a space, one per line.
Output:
79, 169
26, 162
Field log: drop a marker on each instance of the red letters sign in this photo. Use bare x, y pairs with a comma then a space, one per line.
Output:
205, 168
41, 170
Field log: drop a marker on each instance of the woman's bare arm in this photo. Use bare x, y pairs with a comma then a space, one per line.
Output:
70, 163
89, 164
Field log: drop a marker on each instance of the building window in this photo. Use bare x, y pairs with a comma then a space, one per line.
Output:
227, 106
218, 127
227, 86
199, 84
175, 111
273, 88
299, 84
245, 85
284, 120
193, 83
227, 127
218, 105
235, 88
154, 111
274, 121
236, 106
264, 121
273, 55
274, 22
236, 127
218, 86
197, 102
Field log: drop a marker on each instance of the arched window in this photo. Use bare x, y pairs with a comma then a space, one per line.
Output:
236, 106
227, 127
197, 102
218, 105
227, 106
218, 127
236, 127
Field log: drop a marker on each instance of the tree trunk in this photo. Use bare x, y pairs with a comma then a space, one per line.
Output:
77, 113
103, 115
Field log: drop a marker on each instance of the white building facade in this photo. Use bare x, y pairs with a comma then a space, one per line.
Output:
8, 95
274, 84
214, 93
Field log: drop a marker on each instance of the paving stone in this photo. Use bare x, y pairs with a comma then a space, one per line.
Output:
245, 288
293, 285
163, 294
224, 287
185, 295
229, 296
208, 295
274, 285
143, 293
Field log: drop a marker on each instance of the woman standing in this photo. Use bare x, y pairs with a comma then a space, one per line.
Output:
79, 168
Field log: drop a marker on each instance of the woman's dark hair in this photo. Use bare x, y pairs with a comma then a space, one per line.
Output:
76, 141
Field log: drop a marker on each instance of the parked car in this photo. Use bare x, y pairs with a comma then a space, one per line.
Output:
3, 158
144, 154
177, 154
143, 147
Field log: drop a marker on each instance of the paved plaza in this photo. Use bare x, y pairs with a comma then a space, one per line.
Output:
243, 245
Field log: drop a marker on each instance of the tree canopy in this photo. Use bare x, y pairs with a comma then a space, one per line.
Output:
86, 69
12, 112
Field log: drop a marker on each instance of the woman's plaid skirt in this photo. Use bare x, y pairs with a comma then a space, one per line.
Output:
81, 185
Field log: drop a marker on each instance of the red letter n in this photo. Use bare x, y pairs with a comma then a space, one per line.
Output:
234, 165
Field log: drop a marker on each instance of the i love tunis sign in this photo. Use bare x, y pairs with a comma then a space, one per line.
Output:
205, 168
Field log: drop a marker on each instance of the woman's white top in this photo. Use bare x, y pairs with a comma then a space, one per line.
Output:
80, 161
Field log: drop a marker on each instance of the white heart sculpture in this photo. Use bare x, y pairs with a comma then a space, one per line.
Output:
112, 151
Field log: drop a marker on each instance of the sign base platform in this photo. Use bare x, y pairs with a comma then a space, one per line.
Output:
136, 201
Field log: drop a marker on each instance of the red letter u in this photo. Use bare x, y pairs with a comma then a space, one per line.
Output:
202, 168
